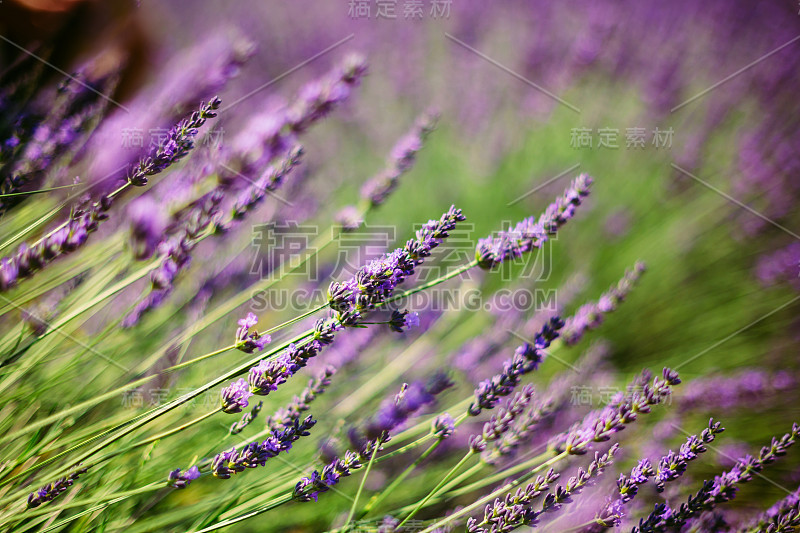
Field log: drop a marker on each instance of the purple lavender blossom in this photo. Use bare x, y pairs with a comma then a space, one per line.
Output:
403, 320
257, 453
504, 516
286, 416
784, 515
271, 180
369, 440
719, 490
181, 481
178, 143
527, 358
530, 233
590, 316
376, 281
53, 490
443, 426
234, 397
269, 373
247, 419
148, 223
499, 423
250, 341
624, 408
402, 158
673, 465
507, 514
309, 488
318, 98
175, 255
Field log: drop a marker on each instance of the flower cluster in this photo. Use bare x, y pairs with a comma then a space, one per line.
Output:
181, 481
376, 281
286, 416
175, 256
670, 467
249, 341
499, 423
53, 490
256, 453
719, 490
590, 316
403, 320
625, 408
527, 358
178, 142
309, 488
233, 398
271, 180
376, 190
393, 412
506, 515
247, 419
531, 233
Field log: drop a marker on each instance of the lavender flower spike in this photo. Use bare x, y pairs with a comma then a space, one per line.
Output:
179, 141
181, 481
285, 416
673, 465
719, 490
526, 359
309, 488
257, 453
530, 233
505, 515
234, 397
247, 419
86, 217
269, 373
51, 491
590, 316
376, 190
250, 341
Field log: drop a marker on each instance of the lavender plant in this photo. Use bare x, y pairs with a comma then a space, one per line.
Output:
151, 314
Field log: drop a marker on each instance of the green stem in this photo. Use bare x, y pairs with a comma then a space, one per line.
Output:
378, 498
441, 279
489, 497
441, 483
47, 509
160, 436
151, 415
361, 486
268, 507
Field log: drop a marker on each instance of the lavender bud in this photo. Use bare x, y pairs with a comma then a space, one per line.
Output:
233, 398
443, 426
181, 481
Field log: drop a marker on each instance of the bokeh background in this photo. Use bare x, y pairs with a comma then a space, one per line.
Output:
685, 113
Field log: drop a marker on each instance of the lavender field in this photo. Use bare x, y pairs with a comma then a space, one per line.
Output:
399, 266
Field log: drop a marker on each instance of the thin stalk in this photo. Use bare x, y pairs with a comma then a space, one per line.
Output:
99, 507
157, 412
471, 471
268, 507
361, 487
47, 509
160, 436
433, 492
378, 498
489, 497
